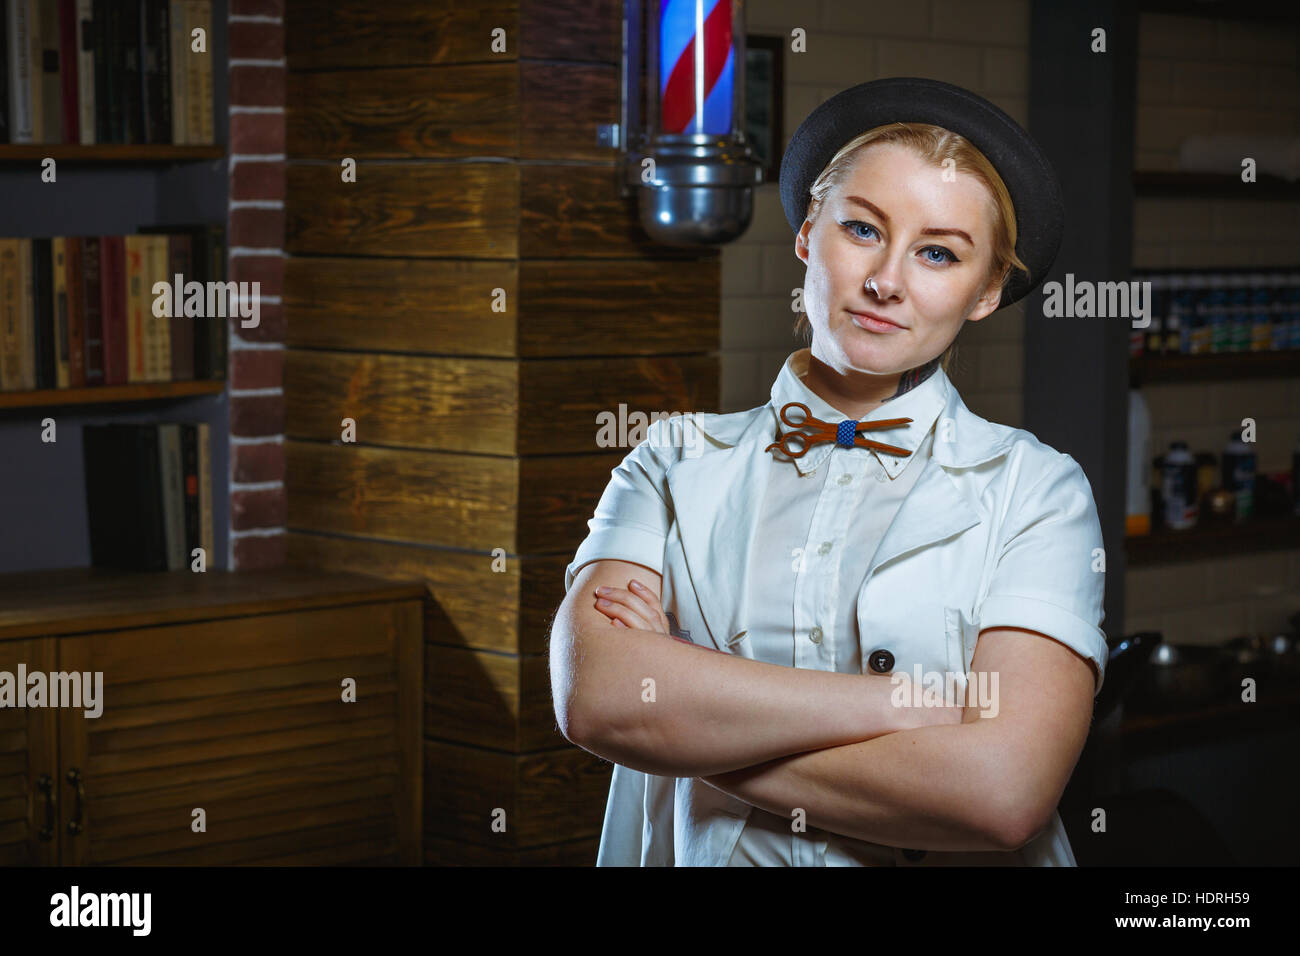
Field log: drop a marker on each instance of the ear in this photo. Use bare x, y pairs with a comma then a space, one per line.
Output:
988, 301
801, 241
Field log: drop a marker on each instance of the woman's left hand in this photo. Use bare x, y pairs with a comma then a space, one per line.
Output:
635, 606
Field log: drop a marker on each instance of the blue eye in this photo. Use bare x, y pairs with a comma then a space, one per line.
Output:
950, 256
865, 225
853, 225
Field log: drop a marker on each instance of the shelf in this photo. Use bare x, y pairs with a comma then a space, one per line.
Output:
74, 600
1152, 182
1218, 720
1213, 541
109, 152
108, 394
1155, 369
1278, 11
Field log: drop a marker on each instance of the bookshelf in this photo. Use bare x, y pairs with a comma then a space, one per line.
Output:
107, 189
108, 153
108, 394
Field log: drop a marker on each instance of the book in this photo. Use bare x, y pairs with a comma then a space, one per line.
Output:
51, 84
172, 478
11, 312
138, 366
38, 345
203, 440
155, 74
68, 64
112, 297
207, 263
159, 325
180, 46
92, 308
86, 71
128, 56
75, 292
201, 15
4, 72
58, 290
24, 334
190, 477
122, 468
36, 69
179, 263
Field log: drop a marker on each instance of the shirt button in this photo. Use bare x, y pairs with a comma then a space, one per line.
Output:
815, 635
845, 479
825, 548
881, 661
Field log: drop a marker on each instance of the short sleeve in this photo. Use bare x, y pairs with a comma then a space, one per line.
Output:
633, 516
1046, 577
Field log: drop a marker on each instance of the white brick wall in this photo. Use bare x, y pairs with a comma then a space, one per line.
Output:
1194, 75
1198, 75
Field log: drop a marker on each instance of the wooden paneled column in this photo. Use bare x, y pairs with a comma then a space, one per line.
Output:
472, 302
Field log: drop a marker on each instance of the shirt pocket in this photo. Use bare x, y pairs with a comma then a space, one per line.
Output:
962, 634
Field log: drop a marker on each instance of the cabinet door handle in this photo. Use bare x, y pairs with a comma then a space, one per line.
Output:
75, 778
45, 784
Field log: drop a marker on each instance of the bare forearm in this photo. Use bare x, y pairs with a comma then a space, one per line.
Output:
933, 788
666, 707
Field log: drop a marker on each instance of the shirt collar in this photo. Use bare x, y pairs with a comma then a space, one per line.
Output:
922, 404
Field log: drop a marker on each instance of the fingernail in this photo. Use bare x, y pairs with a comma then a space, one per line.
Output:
638, 585
601, 590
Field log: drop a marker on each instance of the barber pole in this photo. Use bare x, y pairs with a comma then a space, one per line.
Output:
696, 67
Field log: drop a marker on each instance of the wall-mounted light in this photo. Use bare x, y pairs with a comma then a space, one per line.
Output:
684, 152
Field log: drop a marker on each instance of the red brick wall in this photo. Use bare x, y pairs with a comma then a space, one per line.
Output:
256, 247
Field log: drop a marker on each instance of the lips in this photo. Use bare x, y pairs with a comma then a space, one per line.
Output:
877, 317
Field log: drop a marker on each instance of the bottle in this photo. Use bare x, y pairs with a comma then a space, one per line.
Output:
1261, 314
1158, 303
1292, 298
1199, 336
1137, 338
1137, 516
1239, 473
1178, 483
1279, 320
1295, 478
1221, 304
1175, 338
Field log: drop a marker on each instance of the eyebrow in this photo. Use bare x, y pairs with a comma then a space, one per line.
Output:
872, 207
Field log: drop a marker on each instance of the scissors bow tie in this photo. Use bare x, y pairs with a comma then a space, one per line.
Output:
811, 431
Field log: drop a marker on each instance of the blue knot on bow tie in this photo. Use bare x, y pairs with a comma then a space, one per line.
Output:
845, 432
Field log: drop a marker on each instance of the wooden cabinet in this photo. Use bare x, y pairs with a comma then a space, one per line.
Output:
222, 702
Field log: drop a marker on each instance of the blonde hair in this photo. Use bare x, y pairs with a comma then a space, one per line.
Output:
935, 145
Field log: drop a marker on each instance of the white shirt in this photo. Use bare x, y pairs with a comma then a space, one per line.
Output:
822, 518
998, 530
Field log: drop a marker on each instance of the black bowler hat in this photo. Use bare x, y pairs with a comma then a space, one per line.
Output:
1024, 168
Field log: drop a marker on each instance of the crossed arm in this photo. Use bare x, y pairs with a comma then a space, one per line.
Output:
832, 744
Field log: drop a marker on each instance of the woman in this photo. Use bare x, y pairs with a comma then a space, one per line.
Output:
845, 545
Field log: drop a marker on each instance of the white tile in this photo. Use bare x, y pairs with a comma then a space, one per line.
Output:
985, 21
949, 62
740, 266
876, 17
